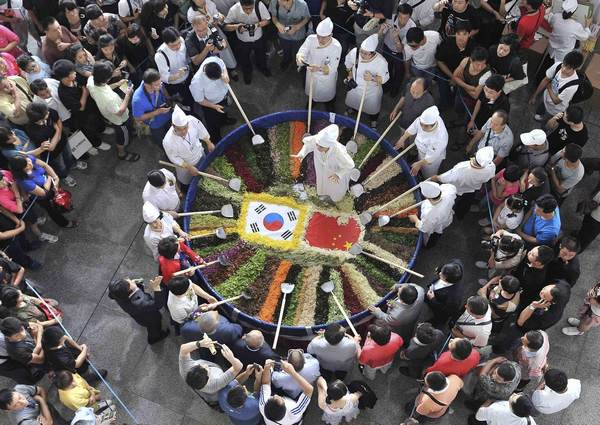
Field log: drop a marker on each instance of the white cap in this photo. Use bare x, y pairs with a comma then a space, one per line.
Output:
179, 118
328, 136
430, 189
535, 137
569, 5
325, 27
150, 212
485, 156
430, 115
370, 43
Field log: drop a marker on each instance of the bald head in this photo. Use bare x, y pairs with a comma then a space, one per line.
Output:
296, 359
254, 339
207, 322
418, 87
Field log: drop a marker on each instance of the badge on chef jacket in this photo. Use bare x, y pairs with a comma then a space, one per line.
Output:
273, 221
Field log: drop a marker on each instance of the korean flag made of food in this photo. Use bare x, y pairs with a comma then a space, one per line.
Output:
273, 221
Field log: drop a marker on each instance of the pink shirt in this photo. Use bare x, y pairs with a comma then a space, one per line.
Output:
6, 37
7, 196
510, 188
375, 355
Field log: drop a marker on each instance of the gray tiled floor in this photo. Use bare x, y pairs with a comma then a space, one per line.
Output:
109, 244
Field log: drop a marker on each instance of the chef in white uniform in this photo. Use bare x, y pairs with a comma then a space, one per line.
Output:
322, 53
566, 32
436, 211
183, 144
159, 225
161, 191
372, 70
431, 139
468, 177
332, 162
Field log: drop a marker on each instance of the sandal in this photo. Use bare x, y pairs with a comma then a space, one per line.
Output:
129, 156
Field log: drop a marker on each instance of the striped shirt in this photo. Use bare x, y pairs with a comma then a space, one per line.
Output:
294, 408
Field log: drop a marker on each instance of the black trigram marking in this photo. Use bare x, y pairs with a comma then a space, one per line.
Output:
260, 209
286, 235
292, 216
254, 227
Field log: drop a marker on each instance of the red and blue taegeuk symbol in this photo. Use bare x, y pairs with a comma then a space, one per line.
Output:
273, 221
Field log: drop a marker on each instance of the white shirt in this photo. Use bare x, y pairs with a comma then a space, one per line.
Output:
152, 238
512, 222
423, 14
108, 102
128, 8
294, 409
211, 10
499, 413
474, 330
424, 56
390, 36
466, 178
564, 35
164, 198
54, 101
181, 306
430, 144
189, 148
236, 15
177, 60
557, 81
436, 217
203, 88
547, 401
440, 284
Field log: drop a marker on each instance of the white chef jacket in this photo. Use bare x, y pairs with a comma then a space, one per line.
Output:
431, 145
436, 217
186, 149
152, 238
376, 66
335, 161
177, 60
203, 87
164, 198
466, 178
313, 54
565, 32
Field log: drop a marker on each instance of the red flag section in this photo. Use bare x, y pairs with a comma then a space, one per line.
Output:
325, 232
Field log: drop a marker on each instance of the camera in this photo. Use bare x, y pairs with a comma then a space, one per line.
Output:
504, 247
251, 28
350, 84
362, 6
215, 38
277, 367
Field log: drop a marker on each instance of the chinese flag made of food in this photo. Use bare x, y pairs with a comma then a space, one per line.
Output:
334, 233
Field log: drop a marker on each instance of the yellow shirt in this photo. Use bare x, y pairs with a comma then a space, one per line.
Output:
77, 396
7, 101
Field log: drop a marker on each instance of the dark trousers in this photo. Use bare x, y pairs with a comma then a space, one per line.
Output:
123, 132
590, 228
55, 214
394, 85
473, 421
17, 372
181, 92
158, 134
290, 48
331, 375
214, 121
243, 55
154, 328
17, 250
62, 161
463, 204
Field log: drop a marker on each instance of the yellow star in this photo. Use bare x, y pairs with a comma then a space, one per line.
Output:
347, 245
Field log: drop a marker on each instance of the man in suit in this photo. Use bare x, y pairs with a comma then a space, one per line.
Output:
444, 295
402, 312
252, 348
142, 307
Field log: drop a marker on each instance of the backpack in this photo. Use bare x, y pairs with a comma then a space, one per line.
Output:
585, 90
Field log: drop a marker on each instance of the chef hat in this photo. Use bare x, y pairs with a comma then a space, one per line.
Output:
150, 212
370, 44
430, 189
325, 27
535, 137
328, 136
430, 115
485, 156
569, 6
179, 118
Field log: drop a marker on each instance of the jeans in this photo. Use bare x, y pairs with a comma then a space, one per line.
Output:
63, 161
290, 48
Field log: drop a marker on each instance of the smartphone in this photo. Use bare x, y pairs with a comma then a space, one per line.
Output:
277, 367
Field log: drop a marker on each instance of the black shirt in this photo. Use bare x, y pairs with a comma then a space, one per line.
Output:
449, 53
450, 18
558, 269
532, 281
40, 133
136, 54
509, 65
341, 16
42, 8
487, 109
21, 351
564, 134
534, 192
543, 319
385, 7
8, 267
194, 45
61, 358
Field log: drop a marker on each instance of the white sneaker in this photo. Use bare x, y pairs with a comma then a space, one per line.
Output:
571, 331
70, 181
109, 130
47, 237
538, 117
484, 222
80, 165
41, 220
482, 282
573, 321
104, 146
93, 151
481, 265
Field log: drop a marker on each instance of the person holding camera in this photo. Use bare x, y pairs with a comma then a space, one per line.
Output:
247, 18
369, 15
436, 211
367, 68
151, 105
444, 295
506, 253
503, 297
206, 41
209, 89
532, 272
173, 64
290, 18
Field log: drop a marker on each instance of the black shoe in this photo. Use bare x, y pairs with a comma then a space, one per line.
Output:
233, 74
247, 78
266, 72
163, 335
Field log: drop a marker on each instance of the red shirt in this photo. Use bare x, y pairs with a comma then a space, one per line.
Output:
168, 266
449, 366
528, 25
375, 355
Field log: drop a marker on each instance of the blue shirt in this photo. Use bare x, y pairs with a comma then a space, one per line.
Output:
24, 146
144, 102
36, 178
248, 414
545, 231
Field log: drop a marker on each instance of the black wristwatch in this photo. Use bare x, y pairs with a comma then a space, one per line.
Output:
198, 344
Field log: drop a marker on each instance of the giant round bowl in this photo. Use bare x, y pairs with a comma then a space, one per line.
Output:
283, 232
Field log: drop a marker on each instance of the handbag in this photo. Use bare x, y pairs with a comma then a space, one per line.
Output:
62, 200
50, 311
